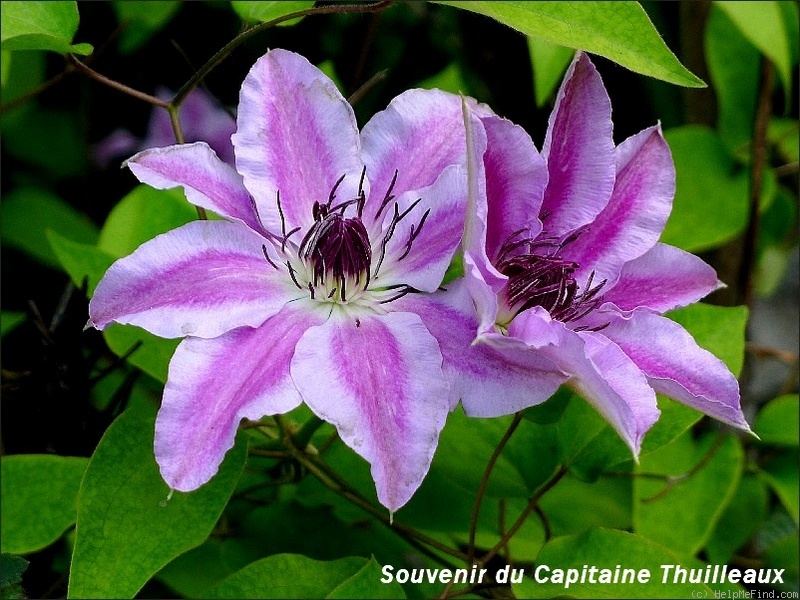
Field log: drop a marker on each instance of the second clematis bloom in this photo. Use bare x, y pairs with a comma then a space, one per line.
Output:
295, 295
562, 257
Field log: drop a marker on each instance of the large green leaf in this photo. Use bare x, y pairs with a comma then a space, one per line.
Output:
733, 65
152, 354
10, 320
606, 549
128, 527
776, 423
11, 570
781, 473
80, 261
261, 12
296, 576
762, 23
40, 26
140, 216
620, 31
711, 199
683, 488
741, 519
549, 61
28, 212
38, 493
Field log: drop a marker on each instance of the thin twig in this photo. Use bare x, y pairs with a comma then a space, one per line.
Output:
487, 472
89, 72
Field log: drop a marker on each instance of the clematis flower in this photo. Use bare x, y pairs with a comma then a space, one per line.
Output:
202, 119
294, 296
562, 257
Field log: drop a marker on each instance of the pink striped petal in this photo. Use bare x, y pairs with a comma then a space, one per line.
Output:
600, 371
296, 135
662, 279
498, 377
677, 367
213, 384
516, 177
422, 263
379, 380
635, 216
419, 134
207, 181
579, 151
201, 279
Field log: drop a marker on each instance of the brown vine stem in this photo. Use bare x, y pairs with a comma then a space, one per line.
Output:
226, 50
89, 72
330, 479
763, 112
532, 504
487, 472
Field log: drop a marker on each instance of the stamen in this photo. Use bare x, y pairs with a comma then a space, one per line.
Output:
266, 255
388, 197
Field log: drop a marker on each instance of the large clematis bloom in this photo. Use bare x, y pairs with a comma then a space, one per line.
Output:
562, 256
295, 295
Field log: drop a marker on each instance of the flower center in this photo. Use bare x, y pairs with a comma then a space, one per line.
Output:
539, 276
337, 251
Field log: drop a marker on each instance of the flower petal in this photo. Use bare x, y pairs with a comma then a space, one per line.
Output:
676, 366
635, 216
600, 371
490, 379
379, 380
296, 135
579, 151
419, 134
419, 256
201, 279
516, 177
207, 181
213, 384
662, 279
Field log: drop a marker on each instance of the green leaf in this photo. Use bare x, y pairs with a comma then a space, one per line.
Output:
28, 212
763, 25
288, 576
152, 354
549, 61
366, 583
140, 216
782, 476
127, 526
605, 549
38, 494
711, 198
783, 554
681, 509
9, 320
785, 134
718, 329
734, 67
620, 31
450, 80
80, 261
40, 26
261, 12
739, 522
11, 570
142, 20
776, 423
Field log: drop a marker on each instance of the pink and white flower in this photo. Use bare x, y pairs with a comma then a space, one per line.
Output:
294, 296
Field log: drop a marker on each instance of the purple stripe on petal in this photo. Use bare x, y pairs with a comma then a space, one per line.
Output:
213, 384
662, 279
677, 366
579, 151
201, 279
379, 380
207, 181
296, 135
419, 256
491, 379
635, 216
516, 177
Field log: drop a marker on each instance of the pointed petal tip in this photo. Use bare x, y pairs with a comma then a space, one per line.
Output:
89, 325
